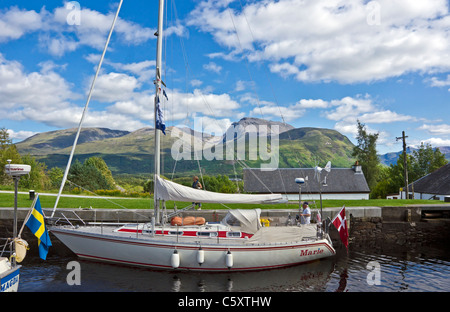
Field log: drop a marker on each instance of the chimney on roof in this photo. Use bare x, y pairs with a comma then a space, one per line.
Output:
357, 167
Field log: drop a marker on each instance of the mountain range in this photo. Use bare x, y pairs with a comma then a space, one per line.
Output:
391, 158
132, 152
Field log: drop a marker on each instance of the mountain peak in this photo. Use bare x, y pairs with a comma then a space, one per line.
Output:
247, 121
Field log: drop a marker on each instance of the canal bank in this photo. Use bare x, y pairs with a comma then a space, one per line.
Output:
369, 227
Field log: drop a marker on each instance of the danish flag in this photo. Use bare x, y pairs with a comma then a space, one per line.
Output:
340, 222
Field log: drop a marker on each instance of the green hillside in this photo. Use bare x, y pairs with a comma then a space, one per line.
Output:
308, 147
132, 153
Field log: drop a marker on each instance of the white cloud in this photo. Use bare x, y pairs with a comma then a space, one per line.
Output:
57, 36
20, 135
437, 142
43, 90
312, 103
177, 29
14, 23
94, 27
144, 71
113, 121
435, 82
139, 107
351, 128
46, 97
349, 107
211, 66
436, 129
330, 40
268, 110
209, 104
49, 66
242, 85
196, 83
345, 112
114, 87
212, 126
58, 45
385, 116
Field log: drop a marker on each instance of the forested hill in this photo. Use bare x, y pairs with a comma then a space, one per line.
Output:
132, 152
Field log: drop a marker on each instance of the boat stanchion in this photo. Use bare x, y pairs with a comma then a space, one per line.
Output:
200, 256
229, 259
175, 259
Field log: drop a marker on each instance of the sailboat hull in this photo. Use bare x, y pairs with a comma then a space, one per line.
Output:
9, 276
195, 254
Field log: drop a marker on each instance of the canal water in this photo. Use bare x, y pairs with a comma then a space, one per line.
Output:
396, 269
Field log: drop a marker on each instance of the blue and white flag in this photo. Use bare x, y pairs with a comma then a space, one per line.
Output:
165, 94
160, 117
37, 225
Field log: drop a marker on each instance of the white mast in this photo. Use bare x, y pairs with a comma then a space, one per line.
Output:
158, 82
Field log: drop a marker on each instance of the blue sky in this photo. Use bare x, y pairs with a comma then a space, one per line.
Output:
322, 63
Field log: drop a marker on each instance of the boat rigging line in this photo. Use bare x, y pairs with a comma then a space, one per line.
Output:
85, 109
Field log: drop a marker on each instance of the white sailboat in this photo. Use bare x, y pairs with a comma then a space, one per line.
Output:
238, 243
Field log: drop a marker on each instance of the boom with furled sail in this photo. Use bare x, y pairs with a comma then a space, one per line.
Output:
168, 190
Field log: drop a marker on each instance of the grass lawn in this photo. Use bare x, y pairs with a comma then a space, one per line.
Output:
7, 200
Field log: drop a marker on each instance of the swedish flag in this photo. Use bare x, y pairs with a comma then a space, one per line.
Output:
36, 224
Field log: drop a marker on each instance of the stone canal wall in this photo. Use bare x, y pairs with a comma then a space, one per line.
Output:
412, 226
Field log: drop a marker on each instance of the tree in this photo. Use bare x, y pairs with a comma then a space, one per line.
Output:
426, 160
37, 179
385, 184
5, 141
8, 150
220, 183
420, 163
397, 173
148, 186
100, 164
89, 176
55, 175
366, 153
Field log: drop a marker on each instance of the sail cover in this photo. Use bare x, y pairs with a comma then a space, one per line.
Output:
245, 220
168, 190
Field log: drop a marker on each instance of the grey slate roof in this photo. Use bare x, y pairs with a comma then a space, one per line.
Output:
437, 182
282, 180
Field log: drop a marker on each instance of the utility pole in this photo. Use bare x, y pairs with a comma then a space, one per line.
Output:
405, 162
